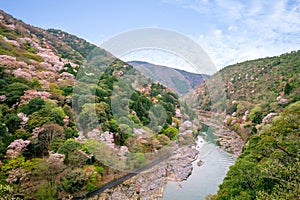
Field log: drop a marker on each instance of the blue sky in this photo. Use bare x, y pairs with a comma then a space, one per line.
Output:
229, 31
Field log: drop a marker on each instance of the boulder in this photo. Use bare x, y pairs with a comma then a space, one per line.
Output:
185, 126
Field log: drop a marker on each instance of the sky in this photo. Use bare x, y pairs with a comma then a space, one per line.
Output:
229, 31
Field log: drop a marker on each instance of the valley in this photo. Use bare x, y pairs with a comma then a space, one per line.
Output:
76, 122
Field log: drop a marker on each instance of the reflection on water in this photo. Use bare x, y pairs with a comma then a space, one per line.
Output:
204, 179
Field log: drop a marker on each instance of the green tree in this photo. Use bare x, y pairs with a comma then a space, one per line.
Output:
46, 191
46, 137
33, 106
67, 90
256, 115
69, 146
171, 132
269, 165
14, 91
75, 180
49, 114
136, 160
49, 173
12, 122
88, 118
287, 89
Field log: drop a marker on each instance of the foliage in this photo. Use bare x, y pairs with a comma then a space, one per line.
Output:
163, 139
136, 160
46, 137
14, 91
7, 192
75, 180
50, 113
256, 115
78, 44
53, 124
141, 106
269, 165
34, 105
33, 56
46, 191
171, 132
48, 173
88, 117
68, 68
257, 82
67, 90
69, 146
100, 170
12, 122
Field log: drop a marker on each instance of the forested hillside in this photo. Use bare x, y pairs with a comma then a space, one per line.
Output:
254, 90
269, 166
262, 106
55, 138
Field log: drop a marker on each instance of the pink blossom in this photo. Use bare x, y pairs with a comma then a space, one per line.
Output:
36, 131
6, 57
66, 76
66, 120
30, 94
55, 157
20, 73
46, 75
16, 148
24, 119
13, 42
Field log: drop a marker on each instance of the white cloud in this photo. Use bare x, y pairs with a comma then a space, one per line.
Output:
247, 29
159, 57
218, 33
232, 28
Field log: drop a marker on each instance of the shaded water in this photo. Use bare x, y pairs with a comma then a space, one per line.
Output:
205, 179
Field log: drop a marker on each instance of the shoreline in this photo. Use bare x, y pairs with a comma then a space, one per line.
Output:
151, 184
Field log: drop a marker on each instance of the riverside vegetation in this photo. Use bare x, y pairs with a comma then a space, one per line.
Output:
50, 134
262, 106
59, 141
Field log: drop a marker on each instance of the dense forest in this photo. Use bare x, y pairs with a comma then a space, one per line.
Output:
269, 166
262, 106
72, 115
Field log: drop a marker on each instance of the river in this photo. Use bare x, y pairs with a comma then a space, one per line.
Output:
205, 179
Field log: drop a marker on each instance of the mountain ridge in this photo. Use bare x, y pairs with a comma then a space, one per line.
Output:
178, 80
45, 155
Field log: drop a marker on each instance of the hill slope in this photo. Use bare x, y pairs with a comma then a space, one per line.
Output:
255, 89
262, 106
179, 80
72, 115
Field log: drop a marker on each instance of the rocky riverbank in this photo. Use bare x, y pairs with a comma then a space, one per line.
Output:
150, 184
228, 140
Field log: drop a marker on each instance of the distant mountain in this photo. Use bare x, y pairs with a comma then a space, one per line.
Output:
176, 79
